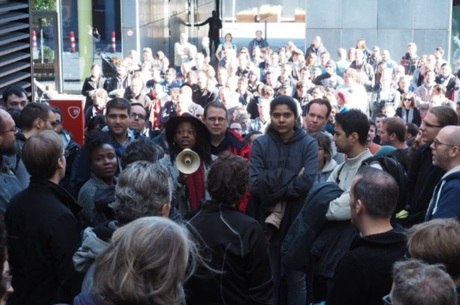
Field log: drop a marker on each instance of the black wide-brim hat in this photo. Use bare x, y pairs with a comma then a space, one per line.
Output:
172, 124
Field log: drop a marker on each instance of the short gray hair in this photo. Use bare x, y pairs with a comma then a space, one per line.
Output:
418, 283
142, 190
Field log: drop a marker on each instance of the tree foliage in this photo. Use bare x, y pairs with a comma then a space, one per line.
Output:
46, 5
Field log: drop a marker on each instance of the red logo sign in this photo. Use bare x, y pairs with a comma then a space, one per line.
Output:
74, 111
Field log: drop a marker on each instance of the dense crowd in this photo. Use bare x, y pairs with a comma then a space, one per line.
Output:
238, 175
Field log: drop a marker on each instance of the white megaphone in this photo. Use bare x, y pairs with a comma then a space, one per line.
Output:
188, 161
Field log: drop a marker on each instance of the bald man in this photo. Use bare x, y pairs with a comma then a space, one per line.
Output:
446, 154
10, 184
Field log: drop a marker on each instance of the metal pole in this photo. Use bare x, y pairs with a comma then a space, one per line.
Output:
192, 19
85, 37
41, 44
306, 27
59, 80
265, 31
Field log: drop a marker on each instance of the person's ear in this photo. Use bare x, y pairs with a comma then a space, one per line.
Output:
393, 136
165, 209
38, 123
354, 136
61, 164
359, 207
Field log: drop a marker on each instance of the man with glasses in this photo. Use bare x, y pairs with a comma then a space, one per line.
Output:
423, 175
10, 184
138, 120
223, 139
446, 154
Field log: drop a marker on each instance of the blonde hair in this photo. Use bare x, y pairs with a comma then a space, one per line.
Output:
41, 153
145, 263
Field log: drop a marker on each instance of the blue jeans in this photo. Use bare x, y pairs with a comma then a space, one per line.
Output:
290, 285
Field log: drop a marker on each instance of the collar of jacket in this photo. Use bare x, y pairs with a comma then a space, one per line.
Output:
65, 197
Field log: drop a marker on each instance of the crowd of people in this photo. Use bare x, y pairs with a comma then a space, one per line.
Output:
306, 180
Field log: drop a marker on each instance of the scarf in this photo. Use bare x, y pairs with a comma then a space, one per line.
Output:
196, 188
408, 115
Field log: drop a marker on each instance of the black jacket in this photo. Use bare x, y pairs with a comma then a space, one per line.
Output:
416, 118
363, 276
308, 225
89, 85
423, 177
274, 174
43, 235
235, 245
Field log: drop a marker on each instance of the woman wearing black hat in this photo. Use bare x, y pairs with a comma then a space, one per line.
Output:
183, 132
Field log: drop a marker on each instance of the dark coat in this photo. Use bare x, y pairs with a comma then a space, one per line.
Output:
10, 184
363, 276
274, 174
89, 85
422, 179
444, 203
43, 235
235, 245
234, 143
416, 118
316, 51
307, 226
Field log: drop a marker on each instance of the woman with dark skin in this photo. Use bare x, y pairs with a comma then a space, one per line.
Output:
103, 165
184, 132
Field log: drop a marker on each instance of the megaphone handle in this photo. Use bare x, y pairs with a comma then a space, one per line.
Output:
182, 178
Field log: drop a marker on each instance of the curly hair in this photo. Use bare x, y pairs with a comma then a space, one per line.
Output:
142, 149
142, 190
228, 179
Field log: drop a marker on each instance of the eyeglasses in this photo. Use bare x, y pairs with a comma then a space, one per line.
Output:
386, 300
430, 125
137, 116
407, 99
14, 130
436, 143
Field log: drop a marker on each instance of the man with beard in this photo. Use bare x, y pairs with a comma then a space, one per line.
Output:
10, 184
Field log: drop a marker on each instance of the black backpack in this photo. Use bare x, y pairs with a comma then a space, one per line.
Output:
392, 166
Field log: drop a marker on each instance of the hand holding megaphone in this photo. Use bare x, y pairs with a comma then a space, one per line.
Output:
188, 161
